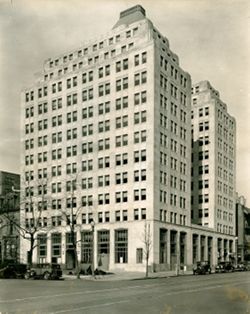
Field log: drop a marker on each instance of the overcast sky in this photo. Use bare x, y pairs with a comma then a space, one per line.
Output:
211, 38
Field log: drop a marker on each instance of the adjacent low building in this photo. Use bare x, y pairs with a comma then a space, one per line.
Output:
242, 230
9, 216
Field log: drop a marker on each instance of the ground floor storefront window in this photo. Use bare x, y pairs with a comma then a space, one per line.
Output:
42, 247
87, 247
163, 246
139, 255
56, 246
121, 246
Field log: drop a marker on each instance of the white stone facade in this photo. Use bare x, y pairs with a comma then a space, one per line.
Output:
109, 125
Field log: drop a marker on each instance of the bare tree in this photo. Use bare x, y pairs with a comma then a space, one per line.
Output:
35, 199
70, 215
147, 241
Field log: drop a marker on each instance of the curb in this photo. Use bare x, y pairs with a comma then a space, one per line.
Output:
127, 277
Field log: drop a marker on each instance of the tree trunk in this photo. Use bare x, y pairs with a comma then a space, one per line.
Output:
76, 264
77, 269
146, 266
30, 252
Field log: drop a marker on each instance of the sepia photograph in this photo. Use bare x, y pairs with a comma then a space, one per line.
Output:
125, 156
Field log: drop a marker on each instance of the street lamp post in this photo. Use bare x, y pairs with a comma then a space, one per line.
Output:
93, 255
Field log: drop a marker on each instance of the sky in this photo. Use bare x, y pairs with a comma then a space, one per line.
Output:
211, 38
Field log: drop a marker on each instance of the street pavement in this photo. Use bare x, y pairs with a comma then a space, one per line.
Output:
216, 294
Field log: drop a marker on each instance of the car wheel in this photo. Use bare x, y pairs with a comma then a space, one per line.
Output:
46, 275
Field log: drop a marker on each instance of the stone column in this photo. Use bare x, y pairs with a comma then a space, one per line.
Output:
198, 247
177, 253
214, 251
189, 249
227, 248
78, 246
49, 249
95, 262
63, 249
205, 248
168, 249
210, 244
222, 250
112, 249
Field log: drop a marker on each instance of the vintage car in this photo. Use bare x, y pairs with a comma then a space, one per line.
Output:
45, 271
224, 267
201, 268
241, 267
13, 270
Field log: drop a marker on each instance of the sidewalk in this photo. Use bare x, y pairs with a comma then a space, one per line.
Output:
119, 276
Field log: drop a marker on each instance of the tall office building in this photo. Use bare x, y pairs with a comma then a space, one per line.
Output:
213, 165
107, 132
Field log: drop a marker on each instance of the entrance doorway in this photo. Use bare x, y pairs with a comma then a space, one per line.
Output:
70, 259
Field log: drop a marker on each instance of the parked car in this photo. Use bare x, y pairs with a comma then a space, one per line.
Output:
201, 268
45, 271
241, 267
224, 267
13, 270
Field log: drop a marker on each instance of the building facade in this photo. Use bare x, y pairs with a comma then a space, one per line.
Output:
106, 143
214, 160
242, 230
9, 216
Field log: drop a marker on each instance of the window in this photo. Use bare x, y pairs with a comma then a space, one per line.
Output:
137, 60
125, 83
125, 64
118, 85
143, 213
136, 195
143, 136
107, 70
104, 108
122, 84
101, 90
118, 66
136, 214
121, 159
117, 215
103, 240
121, 103
128, 34
56, 243
42, 245
124, 215
139, 255
121, 246
143, 194
86, 246
136, 137
140, 156
106, 217
137, 79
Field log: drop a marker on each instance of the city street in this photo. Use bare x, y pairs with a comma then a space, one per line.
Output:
216, 293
